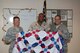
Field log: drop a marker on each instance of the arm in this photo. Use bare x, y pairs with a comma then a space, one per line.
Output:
21, 29
64, 32
30, 28
9, 37
47, 27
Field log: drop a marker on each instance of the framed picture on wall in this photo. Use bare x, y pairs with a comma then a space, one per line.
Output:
27, 17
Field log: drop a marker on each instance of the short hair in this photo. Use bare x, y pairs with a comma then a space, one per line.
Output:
41, 14
58, 16
15, 18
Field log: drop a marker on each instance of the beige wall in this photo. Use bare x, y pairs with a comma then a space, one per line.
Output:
74, 45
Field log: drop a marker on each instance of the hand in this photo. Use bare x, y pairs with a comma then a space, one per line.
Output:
60, 32
17, 35
3, 40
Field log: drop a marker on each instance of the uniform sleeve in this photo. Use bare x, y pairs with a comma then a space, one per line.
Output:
9, 37
66, 34
21, 29
47, 27
30, 28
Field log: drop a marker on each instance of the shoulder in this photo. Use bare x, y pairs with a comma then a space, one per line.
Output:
44, 22
34, 23
10, 28
20, 27
63, 26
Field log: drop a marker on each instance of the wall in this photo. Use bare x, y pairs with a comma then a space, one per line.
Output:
74, 45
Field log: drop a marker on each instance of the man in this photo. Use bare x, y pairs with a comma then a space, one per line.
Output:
57, 26
11, 33
40, 24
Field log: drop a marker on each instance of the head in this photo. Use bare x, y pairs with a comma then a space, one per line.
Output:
41, 17
16, 21
57, 19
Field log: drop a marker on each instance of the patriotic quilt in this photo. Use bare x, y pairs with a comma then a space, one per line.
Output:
38, 42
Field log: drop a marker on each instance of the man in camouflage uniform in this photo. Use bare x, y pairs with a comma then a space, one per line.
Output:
10, 36
57, 26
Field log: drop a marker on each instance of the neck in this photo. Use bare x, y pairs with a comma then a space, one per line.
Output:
16, 26
57, 24
40, 22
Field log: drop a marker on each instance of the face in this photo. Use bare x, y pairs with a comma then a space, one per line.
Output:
41, 17
57, 20
16, 22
